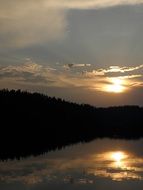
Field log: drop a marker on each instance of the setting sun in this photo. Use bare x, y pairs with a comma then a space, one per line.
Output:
118, 156
116, 86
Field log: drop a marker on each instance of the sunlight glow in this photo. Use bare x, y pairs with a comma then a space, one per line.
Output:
118, 165
118, 159
116, 86
118, 156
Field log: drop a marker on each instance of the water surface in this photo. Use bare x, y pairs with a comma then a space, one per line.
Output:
99, 165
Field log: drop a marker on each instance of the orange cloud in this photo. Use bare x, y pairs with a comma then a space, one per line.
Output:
31, 73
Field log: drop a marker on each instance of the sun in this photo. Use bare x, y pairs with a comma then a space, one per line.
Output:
116, 86
118, 156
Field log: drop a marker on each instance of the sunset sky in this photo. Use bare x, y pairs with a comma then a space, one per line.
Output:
85, 51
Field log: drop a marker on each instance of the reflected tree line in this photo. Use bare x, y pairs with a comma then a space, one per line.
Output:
33, 123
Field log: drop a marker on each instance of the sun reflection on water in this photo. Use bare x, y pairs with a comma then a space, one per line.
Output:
118, 166
113, 165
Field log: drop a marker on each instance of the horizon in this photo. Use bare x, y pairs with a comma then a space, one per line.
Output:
68, 101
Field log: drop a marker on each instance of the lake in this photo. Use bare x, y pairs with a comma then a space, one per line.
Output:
101, 164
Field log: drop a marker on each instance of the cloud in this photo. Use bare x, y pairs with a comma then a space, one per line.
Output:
116, 79
30, 22
72, 65
26, 23
112, 69
33, 74
94, 4
29, 72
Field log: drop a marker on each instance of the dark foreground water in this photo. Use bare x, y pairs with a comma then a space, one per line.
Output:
98, 165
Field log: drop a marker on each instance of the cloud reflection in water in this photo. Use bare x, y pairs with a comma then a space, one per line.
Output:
73, 166
118, 166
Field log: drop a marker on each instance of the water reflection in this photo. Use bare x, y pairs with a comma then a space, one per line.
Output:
118, 166
78, 165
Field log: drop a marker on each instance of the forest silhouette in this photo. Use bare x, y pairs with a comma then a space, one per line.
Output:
33, 123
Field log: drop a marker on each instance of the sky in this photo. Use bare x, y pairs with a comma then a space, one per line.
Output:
84, 51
